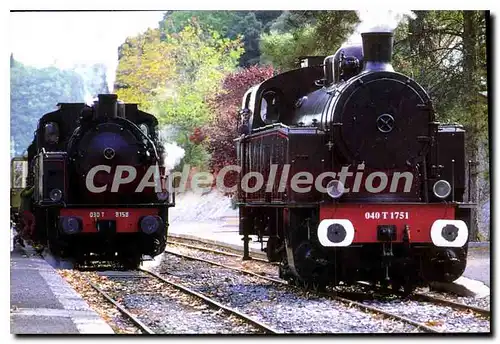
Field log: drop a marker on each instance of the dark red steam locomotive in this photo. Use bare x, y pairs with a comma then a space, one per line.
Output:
348, 176
96, 185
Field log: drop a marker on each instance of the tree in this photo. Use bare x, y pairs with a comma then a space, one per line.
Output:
231, 24
302, 33
34, 92
144, 68
445, 51
222, 129
475, 110
174, 75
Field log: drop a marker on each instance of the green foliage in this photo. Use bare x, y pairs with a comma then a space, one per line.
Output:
144, 68
220, 21
449, 62
231, 24
445, 51
303, 33
173, 76
34, 92
282, 50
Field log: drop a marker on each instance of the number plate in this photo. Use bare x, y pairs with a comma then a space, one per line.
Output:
96, 214
387, 215
102, 214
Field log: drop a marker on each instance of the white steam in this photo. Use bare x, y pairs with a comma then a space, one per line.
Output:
173, 153
378, 21
381, 21
88, 99
111, 67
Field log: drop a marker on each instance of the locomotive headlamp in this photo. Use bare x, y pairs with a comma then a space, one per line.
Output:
441, 189
162, 196
70, 224
150, 224
55, 195
335, 188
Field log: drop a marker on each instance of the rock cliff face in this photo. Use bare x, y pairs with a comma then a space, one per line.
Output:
207, 207
484, 191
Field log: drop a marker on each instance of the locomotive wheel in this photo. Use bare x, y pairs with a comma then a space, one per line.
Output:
297, 282
54, 247
273, 255
318, 286
396, 287
408, 287
384, 285
130, 261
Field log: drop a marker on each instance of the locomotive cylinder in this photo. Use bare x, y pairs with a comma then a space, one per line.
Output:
377, 51
106, 106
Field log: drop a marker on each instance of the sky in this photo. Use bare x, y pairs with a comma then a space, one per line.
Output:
64, 39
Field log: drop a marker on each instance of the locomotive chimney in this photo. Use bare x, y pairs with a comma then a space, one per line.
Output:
377, 51
107, 106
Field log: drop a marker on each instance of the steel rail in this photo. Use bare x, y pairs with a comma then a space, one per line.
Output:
333, 295
415, 295
122, 309
250, 273
230, 254
214, 303
453, 304
437, 300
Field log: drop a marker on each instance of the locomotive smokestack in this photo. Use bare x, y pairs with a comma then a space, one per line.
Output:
377, 51
107, 106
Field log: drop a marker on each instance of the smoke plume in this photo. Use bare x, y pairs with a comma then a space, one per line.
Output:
173, 153
378, 21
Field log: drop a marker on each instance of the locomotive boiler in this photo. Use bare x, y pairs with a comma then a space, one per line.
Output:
96, 184
359, 180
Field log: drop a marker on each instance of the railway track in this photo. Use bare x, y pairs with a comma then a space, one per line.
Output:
340, 296
214, 303
143, 327
415, 295
438, 300
458, 305
211, 250
205, 299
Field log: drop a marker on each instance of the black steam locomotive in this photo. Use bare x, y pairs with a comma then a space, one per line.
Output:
96, 184
360, 182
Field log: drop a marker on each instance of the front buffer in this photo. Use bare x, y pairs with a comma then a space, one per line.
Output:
398, 244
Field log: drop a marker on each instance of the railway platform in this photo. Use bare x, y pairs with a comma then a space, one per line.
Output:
224, 232
41, 302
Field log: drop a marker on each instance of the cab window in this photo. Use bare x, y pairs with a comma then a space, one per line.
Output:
51, 132
269, 107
